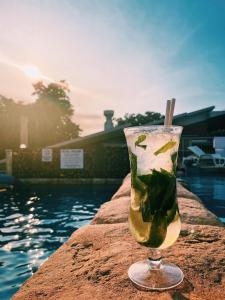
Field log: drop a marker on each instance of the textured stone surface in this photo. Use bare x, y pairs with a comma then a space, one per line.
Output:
194, 212
113, 212
124, 189
93, 263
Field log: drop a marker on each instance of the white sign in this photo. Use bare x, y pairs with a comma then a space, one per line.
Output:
71, 158
46, 155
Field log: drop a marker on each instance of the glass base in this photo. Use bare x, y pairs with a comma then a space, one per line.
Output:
164, 277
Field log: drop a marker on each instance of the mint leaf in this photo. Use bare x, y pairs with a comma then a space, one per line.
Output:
161, 187
158, 230
135, 181
142, 146
133, 163
146, 208
174, 161
155, 192
174, 157
145, 178
170, 195
166, 147
141, 139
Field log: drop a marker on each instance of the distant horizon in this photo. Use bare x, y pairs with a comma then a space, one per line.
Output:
125, 55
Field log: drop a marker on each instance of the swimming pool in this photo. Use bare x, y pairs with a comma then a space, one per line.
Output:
34, 223
211, 190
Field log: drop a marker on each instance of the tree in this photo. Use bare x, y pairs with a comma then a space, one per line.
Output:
138, 119
10, 112
50, 115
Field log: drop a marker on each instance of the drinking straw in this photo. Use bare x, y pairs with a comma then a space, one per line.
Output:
166, 120
169, 112
172, 105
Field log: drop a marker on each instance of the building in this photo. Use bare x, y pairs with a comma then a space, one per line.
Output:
104, 154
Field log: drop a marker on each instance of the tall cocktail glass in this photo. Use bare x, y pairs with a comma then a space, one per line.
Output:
154, 219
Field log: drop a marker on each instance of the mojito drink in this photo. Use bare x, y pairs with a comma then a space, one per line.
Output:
154, 218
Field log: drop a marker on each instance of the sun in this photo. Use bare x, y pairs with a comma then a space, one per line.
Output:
32, 72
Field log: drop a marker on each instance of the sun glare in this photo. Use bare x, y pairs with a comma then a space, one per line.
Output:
32, 72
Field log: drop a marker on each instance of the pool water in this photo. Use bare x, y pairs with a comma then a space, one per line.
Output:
34, 223
211, 190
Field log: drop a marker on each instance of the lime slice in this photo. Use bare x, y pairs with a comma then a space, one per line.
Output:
138, 188
139, 229
136, 199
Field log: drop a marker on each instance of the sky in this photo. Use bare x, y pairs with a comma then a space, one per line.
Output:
126, 55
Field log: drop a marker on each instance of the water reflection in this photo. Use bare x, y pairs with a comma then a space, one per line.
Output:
35, 223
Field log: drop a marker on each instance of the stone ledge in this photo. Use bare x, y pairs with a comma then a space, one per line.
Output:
191, 208
192, 212
93, 263
124, 190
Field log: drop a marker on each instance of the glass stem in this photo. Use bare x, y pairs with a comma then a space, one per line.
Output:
155, 259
